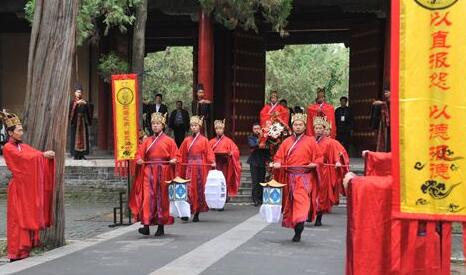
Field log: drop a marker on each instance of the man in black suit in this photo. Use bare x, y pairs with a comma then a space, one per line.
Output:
257, 162
149, 108
179, 123
344, 120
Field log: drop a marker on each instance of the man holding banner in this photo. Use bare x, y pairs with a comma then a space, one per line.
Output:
156, 158
197, 158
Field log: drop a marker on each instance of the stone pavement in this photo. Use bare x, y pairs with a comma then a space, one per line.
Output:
83, 219
246, 246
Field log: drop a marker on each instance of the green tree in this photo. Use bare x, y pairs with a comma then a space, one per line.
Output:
244, 13
170, 73
297, 71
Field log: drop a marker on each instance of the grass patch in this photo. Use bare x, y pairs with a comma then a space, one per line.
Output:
3, 251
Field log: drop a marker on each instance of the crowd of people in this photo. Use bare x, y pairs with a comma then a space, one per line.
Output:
305, 152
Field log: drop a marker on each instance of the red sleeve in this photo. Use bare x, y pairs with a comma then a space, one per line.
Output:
280, 155
140, 154
210, 153
285, 115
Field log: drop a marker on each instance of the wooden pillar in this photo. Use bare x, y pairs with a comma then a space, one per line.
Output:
206, 54
102, 139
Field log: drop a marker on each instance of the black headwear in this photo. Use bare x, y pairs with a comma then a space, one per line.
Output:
199, 86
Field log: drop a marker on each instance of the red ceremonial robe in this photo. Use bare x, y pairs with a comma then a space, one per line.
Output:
269, 109
149, 201
341, 172
379, 244
227, 160
328, 174
300, 192
325, 110
196, 157
30, 195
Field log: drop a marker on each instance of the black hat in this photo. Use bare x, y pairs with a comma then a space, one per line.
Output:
78, 86
199, 86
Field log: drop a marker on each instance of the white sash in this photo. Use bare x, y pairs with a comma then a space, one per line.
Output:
192, 143
216, 143
273, 107
153, 142
294, 144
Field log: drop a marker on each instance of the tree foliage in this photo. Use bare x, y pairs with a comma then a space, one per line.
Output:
170, 73
111, 64
244, 13
297, 71
92, 13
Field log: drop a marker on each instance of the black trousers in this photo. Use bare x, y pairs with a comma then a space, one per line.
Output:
345, 140
180, 132
258, 176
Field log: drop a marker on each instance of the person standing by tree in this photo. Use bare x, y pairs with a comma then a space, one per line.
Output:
226, 158
179, 123
300, 156
320, 109
344, 121
80, 119
196, 156
274, 109
30, 190
203, 107
156, 158
257, 161
149, 108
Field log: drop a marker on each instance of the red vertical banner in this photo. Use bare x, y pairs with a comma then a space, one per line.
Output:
428, 108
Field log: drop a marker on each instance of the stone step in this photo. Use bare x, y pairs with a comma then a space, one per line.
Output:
241, 199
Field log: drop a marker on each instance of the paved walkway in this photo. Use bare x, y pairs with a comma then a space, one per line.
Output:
231, 242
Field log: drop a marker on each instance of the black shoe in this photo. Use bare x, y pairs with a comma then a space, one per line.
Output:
160, 231
83, 157
75, 158
298, 229
221, 209
185, 219
144, 230
318, 220
196, 217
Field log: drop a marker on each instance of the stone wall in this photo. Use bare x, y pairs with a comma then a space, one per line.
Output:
86, 183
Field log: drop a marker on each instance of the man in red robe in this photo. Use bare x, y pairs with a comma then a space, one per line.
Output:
299, 156
322, 109
30, 190
197, 158
226, 158
328, 170
156, 158
341, 171
274, 108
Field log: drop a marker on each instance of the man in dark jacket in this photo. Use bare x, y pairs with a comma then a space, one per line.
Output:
179, 123
149, 108
344, 120
257, 162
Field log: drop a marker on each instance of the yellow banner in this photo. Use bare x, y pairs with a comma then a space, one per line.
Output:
125, 112
432, 107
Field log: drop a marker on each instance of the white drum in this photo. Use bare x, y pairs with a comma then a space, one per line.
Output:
215, 190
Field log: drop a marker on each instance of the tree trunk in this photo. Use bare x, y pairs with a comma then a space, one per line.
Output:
139, 39
46, 107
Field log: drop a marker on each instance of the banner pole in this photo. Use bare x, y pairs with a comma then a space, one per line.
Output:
128, 191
